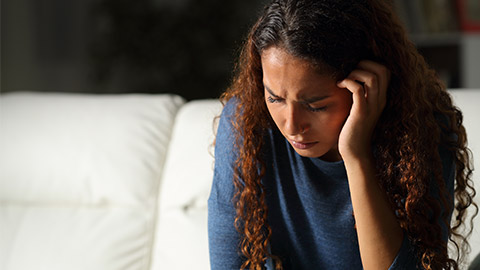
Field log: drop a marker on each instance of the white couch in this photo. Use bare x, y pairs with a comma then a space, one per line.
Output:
117, 181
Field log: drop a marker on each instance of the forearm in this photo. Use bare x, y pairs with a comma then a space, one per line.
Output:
379, 233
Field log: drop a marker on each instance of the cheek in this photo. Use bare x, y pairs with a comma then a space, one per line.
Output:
273, 113
341, 117
343, 110
333, 123
346, 101
327, 125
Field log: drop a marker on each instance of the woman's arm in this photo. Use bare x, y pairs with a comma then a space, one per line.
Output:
223, 238
379, 234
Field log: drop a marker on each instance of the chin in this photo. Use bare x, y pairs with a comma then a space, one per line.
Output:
310, 153
326, 155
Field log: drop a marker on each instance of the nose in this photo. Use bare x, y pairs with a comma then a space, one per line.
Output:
295, 122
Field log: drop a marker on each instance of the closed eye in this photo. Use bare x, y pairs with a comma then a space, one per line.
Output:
320, 109
274, 100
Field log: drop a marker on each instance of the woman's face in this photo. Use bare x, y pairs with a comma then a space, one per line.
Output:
307, 107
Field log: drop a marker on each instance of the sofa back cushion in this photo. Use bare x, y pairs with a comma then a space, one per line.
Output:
467, 100
79, 176
181, 241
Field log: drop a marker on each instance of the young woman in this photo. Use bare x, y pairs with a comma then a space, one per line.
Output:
338, 148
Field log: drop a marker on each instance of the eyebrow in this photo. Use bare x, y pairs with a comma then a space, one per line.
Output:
305, 100
270, 91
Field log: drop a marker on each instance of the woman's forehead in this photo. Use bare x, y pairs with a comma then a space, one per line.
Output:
283, 73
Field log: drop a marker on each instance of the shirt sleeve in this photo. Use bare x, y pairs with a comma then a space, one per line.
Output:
406, 257
223, 238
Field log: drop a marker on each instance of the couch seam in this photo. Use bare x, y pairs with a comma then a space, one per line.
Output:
156, 193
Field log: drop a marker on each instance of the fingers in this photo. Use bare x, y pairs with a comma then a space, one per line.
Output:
374, 79
357, 90
369, 83
383, 76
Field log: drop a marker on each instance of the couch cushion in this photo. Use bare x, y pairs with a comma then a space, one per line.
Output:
181, 241
79, 176
467, 100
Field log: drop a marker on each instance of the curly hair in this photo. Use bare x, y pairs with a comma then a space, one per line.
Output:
418, 118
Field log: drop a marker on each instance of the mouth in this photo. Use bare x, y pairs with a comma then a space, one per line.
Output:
303, 145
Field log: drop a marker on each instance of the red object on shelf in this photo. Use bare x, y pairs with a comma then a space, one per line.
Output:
467, 8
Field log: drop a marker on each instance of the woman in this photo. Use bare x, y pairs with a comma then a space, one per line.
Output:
338, 148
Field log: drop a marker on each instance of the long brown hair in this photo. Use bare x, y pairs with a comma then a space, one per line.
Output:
419, 112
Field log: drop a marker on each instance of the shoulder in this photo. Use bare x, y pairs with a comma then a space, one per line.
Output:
230, 108
226, 154
226, 132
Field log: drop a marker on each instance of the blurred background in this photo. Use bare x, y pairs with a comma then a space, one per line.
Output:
186, 47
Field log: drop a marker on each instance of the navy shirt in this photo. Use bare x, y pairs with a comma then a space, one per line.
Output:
309, 207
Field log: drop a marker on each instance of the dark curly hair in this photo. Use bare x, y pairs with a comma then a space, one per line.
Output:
338, 34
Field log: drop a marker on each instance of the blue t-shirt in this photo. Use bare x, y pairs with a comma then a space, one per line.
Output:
309, 207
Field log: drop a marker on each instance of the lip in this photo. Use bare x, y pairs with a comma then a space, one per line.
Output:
303, 145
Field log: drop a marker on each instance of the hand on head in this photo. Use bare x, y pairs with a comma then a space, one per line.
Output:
368, 85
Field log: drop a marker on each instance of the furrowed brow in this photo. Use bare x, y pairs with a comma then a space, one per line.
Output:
304, 100
315, 99
270, 91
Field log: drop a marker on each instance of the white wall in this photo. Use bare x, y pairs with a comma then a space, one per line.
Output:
471, 61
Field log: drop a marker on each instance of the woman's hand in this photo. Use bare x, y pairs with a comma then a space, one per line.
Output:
368, 84
379, 234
